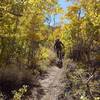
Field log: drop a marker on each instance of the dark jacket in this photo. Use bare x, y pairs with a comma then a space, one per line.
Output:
58, 45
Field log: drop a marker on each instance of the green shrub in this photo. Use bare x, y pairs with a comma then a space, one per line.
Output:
12, 78
19, 94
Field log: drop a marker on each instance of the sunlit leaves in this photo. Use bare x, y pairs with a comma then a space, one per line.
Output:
73, 8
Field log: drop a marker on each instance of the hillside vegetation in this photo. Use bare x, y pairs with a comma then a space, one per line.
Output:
27, 40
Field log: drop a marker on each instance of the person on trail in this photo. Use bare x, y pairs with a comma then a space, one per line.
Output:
59, 48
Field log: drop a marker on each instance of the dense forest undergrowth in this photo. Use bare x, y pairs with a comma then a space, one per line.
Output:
27, 41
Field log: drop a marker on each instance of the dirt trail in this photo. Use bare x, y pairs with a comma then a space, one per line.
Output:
52, 85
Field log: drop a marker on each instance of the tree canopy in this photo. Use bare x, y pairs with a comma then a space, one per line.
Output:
27, 36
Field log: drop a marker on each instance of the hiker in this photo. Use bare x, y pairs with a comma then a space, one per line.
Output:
59, 48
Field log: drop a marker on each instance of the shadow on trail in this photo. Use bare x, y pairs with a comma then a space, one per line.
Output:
59, 64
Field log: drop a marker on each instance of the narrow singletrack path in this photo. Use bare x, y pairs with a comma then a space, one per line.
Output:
52, 84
